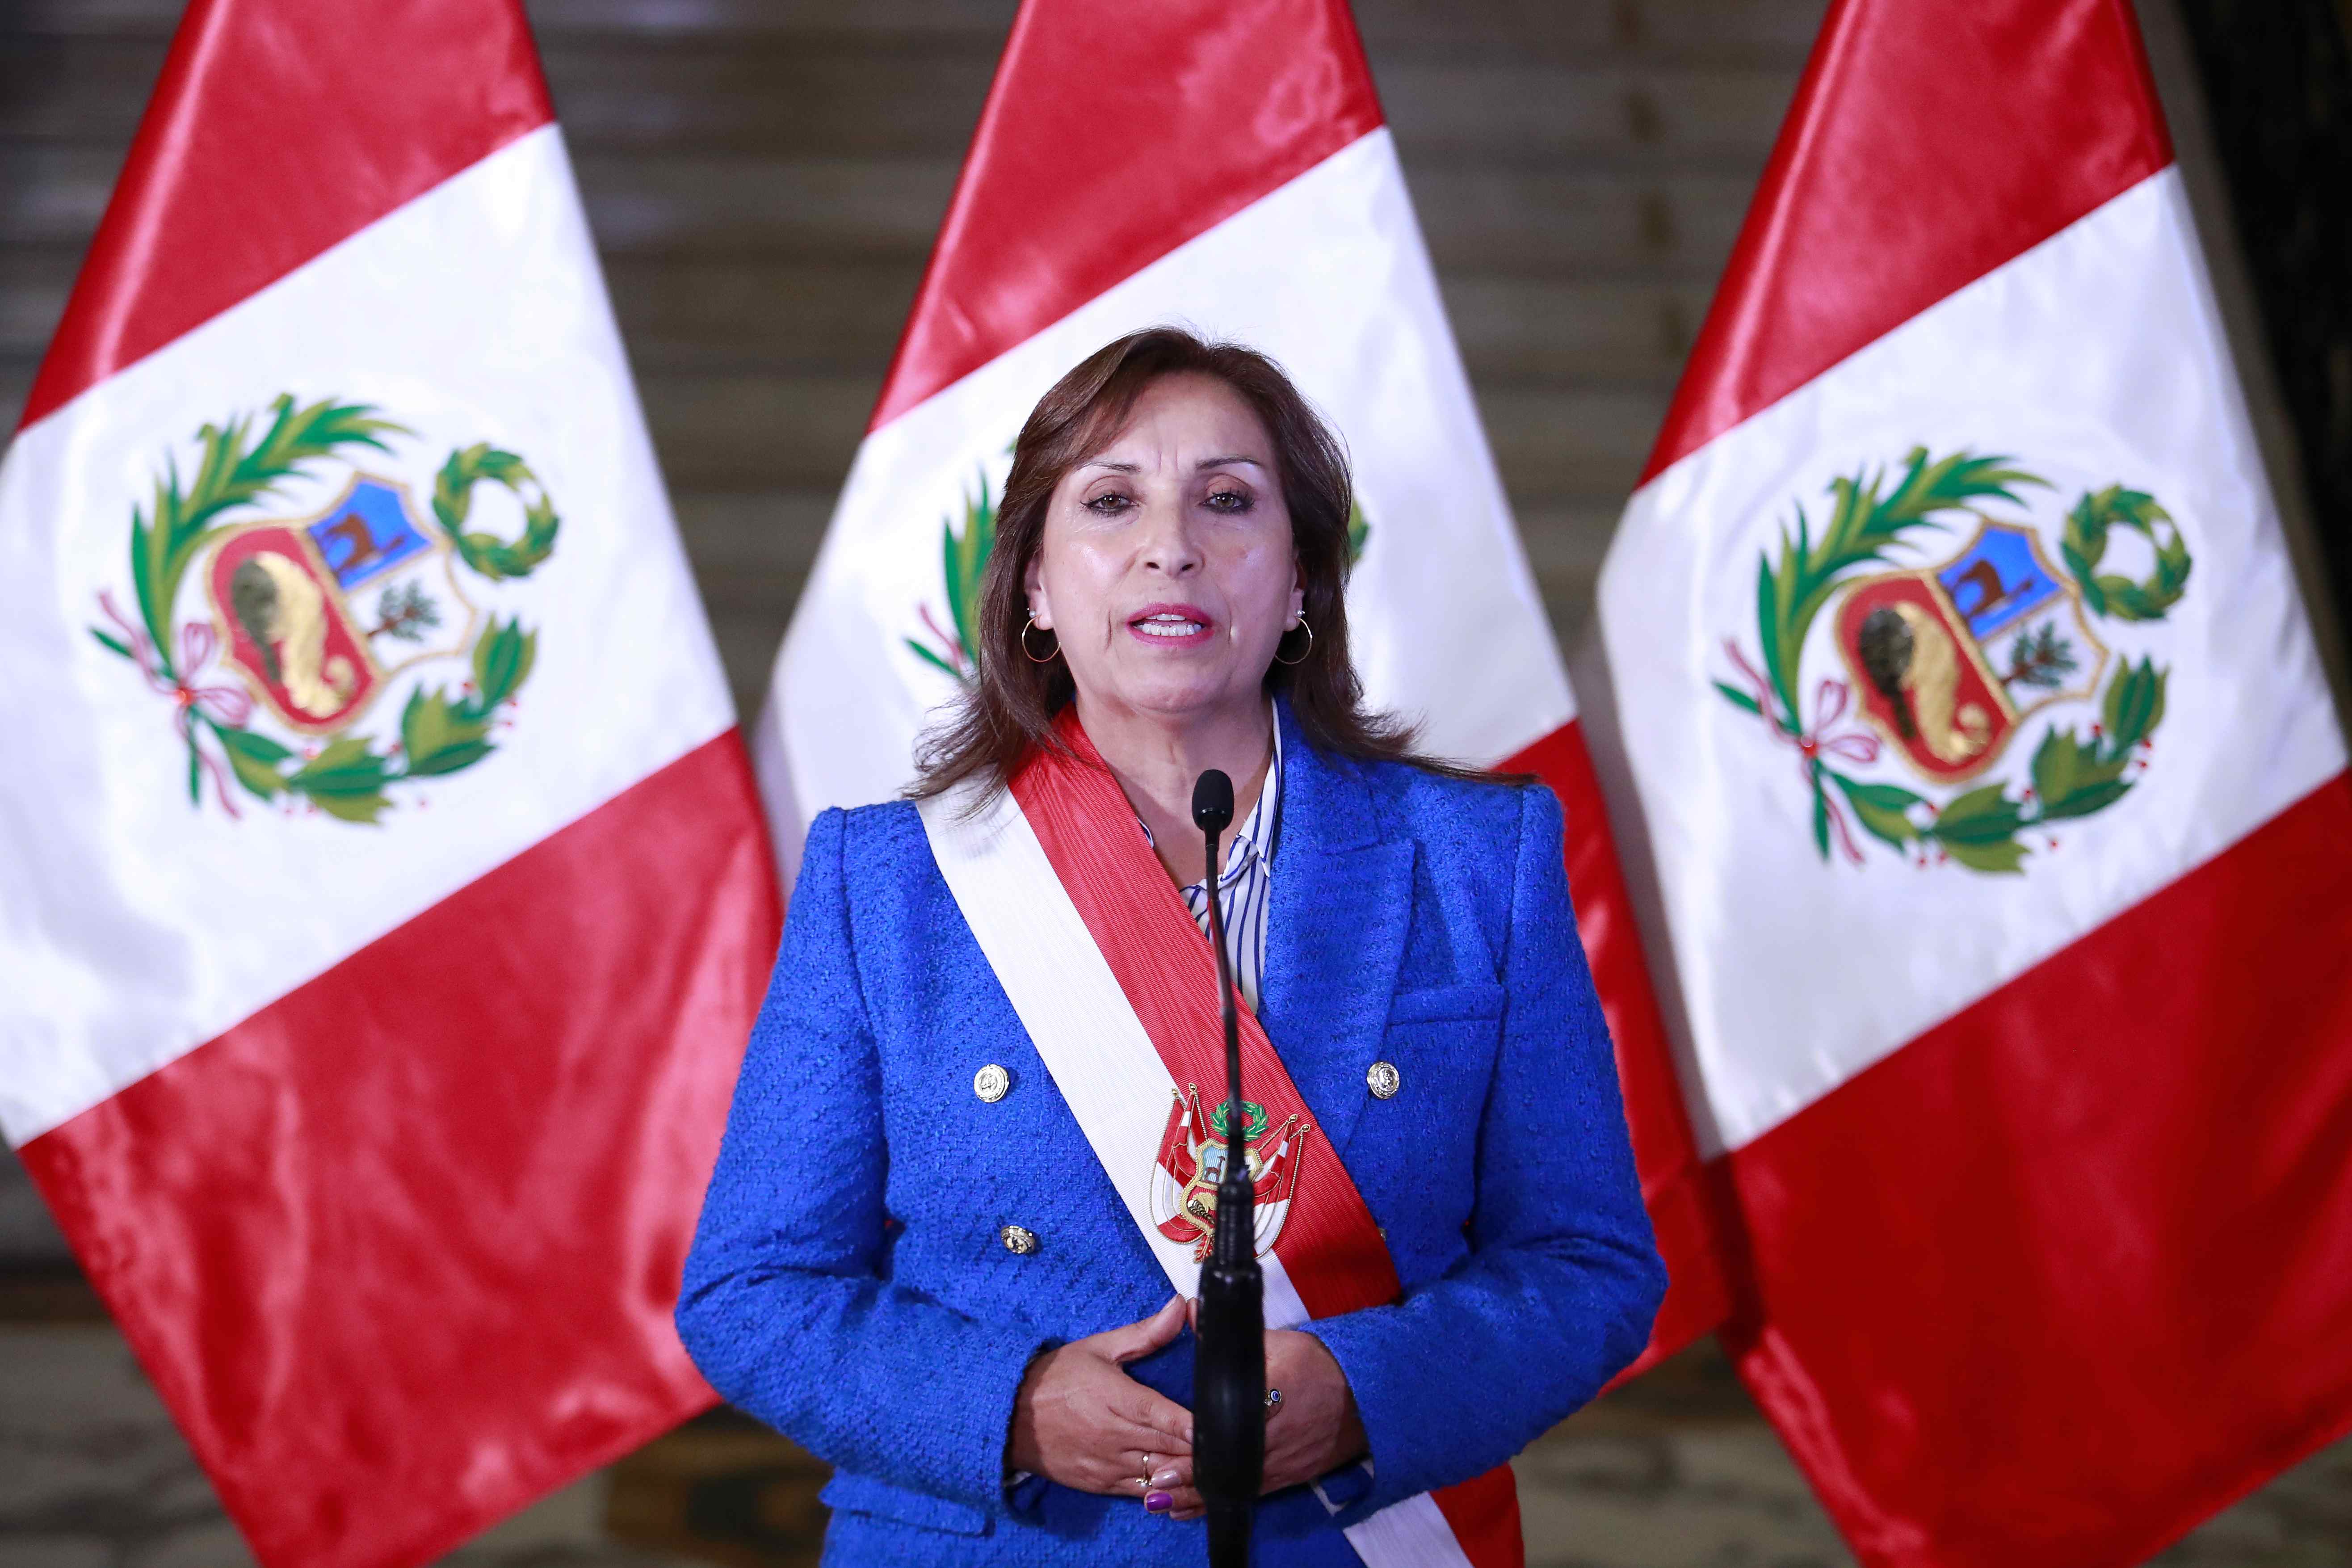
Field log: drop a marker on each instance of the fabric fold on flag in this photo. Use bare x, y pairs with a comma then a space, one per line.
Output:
384, 890
1995, 812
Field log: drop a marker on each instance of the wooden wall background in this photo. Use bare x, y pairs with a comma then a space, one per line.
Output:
764, 178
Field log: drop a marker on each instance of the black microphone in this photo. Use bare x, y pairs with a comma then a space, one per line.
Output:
1229, 1370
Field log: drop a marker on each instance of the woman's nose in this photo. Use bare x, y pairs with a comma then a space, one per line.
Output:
1168, 545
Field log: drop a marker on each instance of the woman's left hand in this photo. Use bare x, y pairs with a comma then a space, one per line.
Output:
1314, 1431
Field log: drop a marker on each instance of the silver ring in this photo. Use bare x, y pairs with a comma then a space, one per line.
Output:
1274, 1399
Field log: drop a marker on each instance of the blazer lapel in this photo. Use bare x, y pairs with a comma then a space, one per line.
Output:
1342, 904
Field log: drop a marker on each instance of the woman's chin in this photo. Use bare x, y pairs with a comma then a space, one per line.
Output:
1177, 694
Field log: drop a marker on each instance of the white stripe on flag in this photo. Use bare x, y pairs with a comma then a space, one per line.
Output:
2095, 358
475, 313
1329, 275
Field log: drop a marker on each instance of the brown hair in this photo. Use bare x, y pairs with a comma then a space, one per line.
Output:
1009, 709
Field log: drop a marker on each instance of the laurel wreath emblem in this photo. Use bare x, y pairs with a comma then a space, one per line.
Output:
453, 502
2086, 546
2070, 775
1254, 1120
440, 732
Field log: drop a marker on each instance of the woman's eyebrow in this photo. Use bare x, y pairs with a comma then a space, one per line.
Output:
1230, 461
1114, 467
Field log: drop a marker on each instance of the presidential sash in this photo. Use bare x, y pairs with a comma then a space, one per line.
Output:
1118, 992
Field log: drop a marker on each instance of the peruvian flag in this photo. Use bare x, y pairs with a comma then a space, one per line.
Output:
1998, 812
1222, 165
383, 892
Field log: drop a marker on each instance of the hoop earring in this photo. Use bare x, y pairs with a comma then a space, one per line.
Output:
1302, 652
1031, 626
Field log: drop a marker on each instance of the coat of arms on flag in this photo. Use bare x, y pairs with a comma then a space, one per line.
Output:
1996, 1145
1192, 1162
287, 515
1945, 660
302, 626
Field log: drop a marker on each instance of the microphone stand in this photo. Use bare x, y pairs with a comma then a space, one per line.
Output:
1229, 1371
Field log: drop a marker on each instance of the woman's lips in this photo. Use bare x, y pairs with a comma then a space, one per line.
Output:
1171, 626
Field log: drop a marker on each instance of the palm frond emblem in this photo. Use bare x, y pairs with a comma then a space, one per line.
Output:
953, 647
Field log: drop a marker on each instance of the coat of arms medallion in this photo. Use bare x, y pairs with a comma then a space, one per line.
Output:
1192, 1161
1949, 666
280, 643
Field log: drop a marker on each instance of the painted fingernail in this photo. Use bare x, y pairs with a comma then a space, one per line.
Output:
1167, 1478
1157, 1502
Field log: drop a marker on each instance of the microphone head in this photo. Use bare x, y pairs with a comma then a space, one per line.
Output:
1213, 802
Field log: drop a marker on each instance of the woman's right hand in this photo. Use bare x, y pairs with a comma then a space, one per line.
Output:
1080, 1420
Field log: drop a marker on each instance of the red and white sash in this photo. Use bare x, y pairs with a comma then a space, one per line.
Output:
1118, 990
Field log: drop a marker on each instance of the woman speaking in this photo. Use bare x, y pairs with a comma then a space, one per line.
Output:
971, 1165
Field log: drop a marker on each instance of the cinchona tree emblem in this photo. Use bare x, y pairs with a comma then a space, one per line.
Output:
278, 641
1947, 663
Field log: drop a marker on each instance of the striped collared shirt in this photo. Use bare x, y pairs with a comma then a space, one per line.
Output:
1244, 888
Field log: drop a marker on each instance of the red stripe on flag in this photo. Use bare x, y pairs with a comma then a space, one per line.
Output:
2072, 1270
400, 1251
1111, 135
279, 128
1927, 145
1685, 1196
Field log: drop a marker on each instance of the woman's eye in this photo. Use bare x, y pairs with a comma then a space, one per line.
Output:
1230, 501
1108, 505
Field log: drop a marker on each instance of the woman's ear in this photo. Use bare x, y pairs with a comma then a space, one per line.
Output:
1298, 594
1032, 583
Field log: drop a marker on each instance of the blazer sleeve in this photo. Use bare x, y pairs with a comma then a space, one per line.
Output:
783, 1307
1563, 1276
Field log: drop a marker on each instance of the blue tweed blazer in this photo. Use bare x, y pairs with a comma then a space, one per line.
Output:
847, 1285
